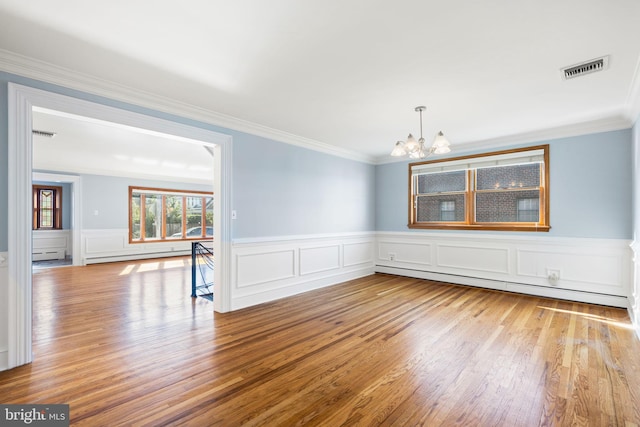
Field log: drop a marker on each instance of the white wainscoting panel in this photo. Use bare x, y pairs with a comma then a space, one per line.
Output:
319, 259
405, 252
601, 270
113, 245
266, 269
4, 312
104, 243
51, 244
589, 270
263, 267
360, 253
473, 258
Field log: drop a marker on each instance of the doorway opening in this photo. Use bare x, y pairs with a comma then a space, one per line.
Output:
58, 247
23, 102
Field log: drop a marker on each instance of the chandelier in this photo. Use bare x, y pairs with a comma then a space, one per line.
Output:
416, 149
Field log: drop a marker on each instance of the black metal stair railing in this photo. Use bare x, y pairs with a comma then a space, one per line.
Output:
201, 271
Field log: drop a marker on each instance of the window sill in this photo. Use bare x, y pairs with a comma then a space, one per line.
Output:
493, 227
194, 239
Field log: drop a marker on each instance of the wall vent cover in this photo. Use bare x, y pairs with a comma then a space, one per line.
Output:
592, 66
43, 133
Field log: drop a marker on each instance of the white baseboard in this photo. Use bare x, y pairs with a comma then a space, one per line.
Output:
264, 296
521, 288
635, 319
597, 271
134, 257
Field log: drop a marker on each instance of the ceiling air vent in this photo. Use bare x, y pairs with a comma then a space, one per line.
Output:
43, 133
588, 67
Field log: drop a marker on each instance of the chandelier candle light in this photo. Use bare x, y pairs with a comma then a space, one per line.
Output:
416, 149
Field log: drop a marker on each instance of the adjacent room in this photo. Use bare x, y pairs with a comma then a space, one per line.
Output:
418, 213
116, 176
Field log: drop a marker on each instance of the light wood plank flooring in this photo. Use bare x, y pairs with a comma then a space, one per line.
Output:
124, 344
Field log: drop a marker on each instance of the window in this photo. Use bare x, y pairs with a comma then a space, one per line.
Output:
157, 215
47, 207
437, 192
503, 190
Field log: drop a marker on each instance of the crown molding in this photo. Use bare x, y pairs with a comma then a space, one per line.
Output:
49, 73
585, 127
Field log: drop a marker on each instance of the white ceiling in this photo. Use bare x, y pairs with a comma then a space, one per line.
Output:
89, 146
349, 73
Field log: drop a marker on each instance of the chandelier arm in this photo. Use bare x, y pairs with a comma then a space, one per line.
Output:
416, 149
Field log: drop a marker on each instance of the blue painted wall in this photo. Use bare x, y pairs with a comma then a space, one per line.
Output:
591, 185
109, 195
281, 189
278, 189
591, 180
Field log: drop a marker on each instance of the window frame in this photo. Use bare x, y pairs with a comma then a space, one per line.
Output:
469, 222
164, 192
56, 208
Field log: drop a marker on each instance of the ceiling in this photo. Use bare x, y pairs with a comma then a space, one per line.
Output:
348, 74
89, 146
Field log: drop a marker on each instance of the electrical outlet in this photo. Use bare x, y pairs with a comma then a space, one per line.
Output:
392, 257
553, 276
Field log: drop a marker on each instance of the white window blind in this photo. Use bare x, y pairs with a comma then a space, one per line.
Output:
521, 157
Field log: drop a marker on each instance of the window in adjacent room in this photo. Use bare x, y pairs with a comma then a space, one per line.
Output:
503, 190
157, 215
47, 207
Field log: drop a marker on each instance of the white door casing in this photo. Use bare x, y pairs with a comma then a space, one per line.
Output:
22, 100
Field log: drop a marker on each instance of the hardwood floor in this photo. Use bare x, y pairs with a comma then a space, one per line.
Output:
124, 344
